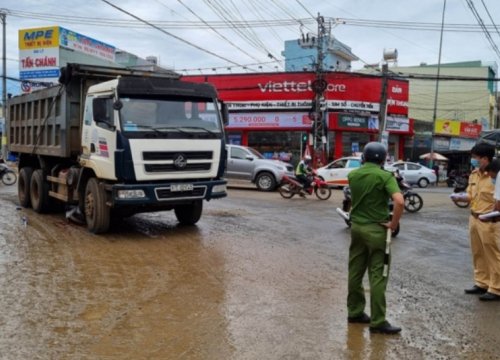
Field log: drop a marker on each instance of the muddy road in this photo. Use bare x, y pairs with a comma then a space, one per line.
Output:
259, 277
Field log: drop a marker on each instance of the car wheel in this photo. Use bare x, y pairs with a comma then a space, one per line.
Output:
423, 183
265, 181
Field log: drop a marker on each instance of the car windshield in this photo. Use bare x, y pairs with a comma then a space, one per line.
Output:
255, 153
180, 117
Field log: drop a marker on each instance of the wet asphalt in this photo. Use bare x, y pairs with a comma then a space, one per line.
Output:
259, 277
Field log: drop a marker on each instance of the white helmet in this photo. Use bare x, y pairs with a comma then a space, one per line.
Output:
307, 158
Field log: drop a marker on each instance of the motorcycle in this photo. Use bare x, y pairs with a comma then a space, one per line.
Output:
290, 187
7, 175
413, 201
460, 184
346, 208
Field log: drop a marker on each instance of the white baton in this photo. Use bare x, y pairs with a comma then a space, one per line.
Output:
387, 252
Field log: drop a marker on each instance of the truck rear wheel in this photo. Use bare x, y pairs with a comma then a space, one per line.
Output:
97, 213
39, 192
23, 186
189, 214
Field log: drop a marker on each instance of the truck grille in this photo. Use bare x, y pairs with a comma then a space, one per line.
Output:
169, 155
170, 167
195, 161
198, 192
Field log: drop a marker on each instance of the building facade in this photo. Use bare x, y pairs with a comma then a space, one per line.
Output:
466, 105
271, 111
301, 54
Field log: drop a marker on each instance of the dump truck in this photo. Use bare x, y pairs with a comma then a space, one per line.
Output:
107, 143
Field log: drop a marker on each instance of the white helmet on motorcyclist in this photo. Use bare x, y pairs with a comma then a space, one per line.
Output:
307, 159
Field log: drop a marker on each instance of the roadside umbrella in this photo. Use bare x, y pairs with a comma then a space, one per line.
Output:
436, 156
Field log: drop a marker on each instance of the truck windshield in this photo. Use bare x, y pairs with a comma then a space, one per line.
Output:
170, 117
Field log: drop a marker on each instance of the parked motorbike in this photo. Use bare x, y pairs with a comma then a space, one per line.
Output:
290, 187
460, 184
346, 209
7, 175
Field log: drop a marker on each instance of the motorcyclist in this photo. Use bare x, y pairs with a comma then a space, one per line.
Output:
303, 170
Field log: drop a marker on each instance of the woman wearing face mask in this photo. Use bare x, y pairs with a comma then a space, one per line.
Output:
483, 234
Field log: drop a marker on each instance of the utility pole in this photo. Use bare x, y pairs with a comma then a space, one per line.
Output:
319, 105
3, 17
317, 137
383, 135
434, 115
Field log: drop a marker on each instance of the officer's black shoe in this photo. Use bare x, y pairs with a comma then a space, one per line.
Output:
487, 296
361, 319
475, 290
385, 328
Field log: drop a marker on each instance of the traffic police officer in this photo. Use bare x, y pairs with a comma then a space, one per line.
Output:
484, 240
371, 188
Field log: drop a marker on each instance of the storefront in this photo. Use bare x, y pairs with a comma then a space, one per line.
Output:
270, 111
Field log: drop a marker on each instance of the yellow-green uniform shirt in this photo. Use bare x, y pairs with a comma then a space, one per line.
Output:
481, 191
371, 188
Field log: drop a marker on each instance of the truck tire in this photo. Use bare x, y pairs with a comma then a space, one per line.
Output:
265, 181
97, 213
23, 186
189, 214
39, 192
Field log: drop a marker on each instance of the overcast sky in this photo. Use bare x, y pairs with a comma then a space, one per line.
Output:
251, 46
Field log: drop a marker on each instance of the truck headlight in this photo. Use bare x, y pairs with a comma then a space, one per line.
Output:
131, 194
219, 188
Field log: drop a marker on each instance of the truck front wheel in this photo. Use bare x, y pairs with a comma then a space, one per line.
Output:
23, 186
97, 213
189, 214
39, 192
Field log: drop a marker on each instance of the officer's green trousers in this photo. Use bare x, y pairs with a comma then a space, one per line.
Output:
367, 251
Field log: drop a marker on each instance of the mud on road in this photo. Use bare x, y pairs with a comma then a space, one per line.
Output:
259, 277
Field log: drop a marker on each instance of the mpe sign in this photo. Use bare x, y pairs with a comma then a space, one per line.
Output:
38, 38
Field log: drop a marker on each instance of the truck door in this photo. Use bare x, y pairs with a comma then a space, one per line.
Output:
99, 136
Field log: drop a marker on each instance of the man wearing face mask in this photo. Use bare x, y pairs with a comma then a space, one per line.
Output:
484, 245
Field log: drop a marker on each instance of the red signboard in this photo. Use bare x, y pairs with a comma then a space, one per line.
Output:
470, 130
294, 90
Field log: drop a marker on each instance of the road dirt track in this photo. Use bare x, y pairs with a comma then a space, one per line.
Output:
259, 277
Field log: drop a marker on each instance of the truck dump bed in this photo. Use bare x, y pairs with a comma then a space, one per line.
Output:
48, 121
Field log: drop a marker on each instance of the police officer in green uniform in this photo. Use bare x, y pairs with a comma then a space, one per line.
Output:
371, 188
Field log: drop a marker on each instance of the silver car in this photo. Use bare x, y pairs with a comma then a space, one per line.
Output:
245, 163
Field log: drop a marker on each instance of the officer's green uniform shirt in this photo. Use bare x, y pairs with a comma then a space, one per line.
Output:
371, 186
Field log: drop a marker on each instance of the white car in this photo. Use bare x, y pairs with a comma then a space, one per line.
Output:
335, 173
415, 173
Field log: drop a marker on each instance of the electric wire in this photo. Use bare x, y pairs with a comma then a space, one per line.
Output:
491, 19
171, 35
217, 32
485, 30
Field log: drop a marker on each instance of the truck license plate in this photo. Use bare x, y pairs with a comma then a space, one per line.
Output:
181, 187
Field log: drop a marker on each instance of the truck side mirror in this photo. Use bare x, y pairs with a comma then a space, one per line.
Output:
225, 114
101, 113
